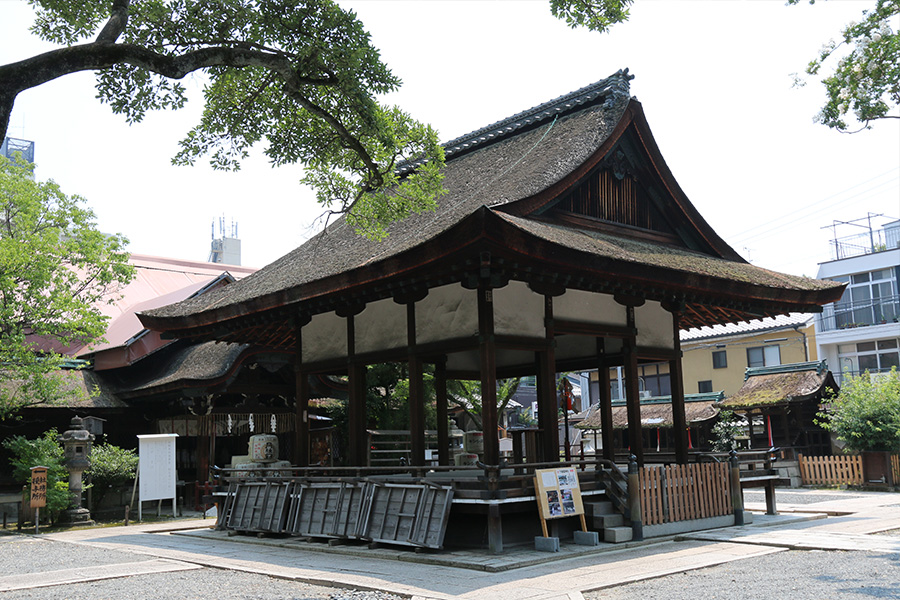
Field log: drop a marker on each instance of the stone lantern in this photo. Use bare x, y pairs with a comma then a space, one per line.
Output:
77, 443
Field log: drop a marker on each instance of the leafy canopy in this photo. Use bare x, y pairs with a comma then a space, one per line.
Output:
54, 267
865, 83
865, 415
299, 75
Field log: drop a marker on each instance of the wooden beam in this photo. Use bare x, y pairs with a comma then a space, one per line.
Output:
443, 419
301, 401
416, 392
604, 396
548, 406
562, 327
676, 378
488, 356
632, 394
356, 409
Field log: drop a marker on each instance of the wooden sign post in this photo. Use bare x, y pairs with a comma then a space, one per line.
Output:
38, 493
558, 495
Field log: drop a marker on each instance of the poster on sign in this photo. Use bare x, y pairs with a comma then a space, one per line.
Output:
156, 468
558, 493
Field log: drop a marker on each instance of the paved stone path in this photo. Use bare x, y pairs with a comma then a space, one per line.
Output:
520, 575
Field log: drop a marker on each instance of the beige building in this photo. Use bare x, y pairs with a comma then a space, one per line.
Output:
715, 358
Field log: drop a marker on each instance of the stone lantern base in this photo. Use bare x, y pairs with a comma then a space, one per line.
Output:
76, 516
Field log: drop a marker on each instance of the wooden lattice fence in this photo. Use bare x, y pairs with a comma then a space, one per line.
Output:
683, 492
832, 470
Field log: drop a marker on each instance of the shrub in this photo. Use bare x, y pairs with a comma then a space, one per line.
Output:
111, 466
865, 415
45, 451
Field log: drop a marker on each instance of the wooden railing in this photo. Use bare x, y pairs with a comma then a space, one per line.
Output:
832, 470
683, 492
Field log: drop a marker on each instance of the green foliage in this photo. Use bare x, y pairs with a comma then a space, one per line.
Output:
54, 266
45, 451
299, 77
725, 432
467, 395
865, 415
866, 79
111, 466
597, 15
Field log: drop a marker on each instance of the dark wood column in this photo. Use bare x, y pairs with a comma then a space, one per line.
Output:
548, 404
632, 392
676, 379
416, 392
488, 356
356, 408
443, 417
301, 402
604, 396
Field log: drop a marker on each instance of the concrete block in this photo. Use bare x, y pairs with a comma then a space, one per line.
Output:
546, 544
606, 521
617, 535
587, 538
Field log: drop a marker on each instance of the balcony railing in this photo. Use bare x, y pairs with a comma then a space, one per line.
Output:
869, 242
849, 315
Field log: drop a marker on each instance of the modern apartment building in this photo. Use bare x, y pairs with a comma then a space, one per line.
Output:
861, 332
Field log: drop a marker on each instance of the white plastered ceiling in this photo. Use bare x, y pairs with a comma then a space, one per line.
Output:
588, 307
518, 311
381, 326
447, 312
654, 325
324, 337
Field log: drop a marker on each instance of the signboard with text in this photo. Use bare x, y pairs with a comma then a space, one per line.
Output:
558, 493
38, 487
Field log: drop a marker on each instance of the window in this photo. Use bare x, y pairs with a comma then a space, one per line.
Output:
704, 387
870, 299
720, 359
873, 356
764, 356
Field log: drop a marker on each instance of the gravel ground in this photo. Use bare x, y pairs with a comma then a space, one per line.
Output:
24, 554
198, 584
794, 574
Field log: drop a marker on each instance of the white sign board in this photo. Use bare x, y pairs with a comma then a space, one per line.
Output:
156, 467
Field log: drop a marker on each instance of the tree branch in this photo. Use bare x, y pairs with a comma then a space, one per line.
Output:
118, 19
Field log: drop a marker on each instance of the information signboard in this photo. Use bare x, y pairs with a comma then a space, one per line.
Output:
38, 487
558, 495
156, 468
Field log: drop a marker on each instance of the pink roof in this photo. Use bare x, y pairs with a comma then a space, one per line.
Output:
157, 282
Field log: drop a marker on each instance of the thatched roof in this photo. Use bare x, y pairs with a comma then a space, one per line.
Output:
657, 412
500, 180
199, 364
770, 386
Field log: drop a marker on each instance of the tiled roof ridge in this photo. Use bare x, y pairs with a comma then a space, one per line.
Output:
611, 87
818, 366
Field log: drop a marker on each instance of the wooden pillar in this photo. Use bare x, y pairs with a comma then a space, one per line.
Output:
632, 392
416, 392
604, 395
443, 418
676, 379
356, 408
488, 356
548, 405
301, 401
